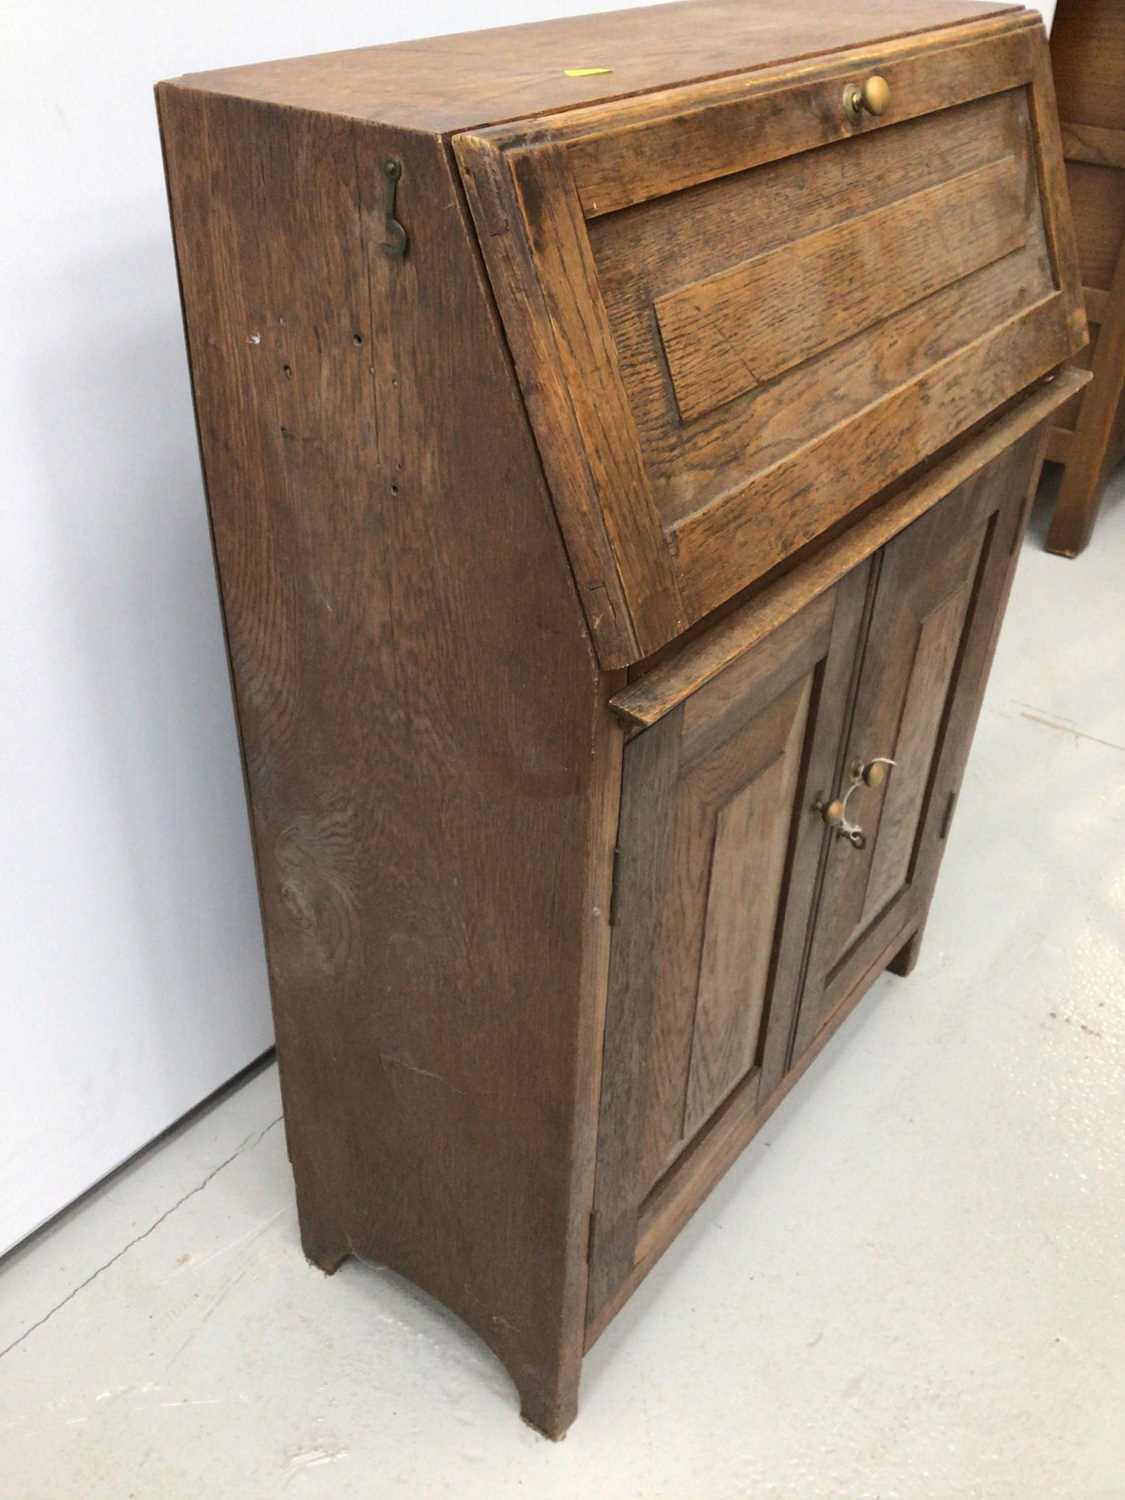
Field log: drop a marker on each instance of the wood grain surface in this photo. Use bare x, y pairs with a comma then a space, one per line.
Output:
447, 83
420, 726
1088, 61
547, 944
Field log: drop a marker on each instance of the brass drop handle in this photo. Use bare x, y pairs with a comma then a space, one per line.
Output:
835, 813
874, 95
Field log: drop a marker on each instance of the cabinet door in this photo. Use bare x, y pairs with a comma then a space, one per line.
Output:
738, 313
717, 862
939, 593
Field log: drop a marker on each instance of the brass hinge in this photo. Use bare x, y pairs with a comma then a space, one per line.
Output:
616, 881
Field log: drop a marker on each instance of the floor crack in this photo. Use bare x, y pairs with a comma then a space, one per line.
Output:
247, 1145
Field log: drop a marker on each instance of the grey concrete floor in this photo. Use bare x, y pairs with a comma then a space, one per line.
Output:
912, 1285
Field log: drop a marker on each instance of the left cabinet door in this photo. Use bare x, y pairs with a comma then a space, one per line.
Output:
718, 848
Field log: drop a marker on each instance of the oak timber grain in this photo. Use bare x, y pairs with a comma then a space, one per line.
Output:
531, 335
1096, 443
1097, 304
657, 247
1093, 144
1097, 196
452, 495
696, 905
732, 1130
716, 1149
741, 912
965, 541
794, 302
882, 441
1088, 61
448, 83
648, 698
644, 843
894, 822
744, 472
670, 143
394, 745
585, 359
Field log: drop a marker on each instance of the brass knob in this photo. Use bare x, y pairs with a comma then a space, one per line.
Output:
874, 95
870, 772
832, 812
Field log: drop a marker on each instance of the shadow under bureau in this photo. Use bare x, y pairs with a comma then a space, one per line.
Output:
618, 435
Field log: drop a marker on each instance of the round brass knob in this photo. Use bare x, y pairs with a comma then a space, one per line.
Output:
873, 96
876, 95
833, 812
875, 773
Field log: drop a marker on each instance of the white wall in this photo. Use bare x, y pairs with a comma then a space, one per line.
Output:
132, 980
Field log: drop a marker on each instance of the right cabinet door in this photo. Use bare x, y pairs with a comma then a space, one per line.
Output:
939, 592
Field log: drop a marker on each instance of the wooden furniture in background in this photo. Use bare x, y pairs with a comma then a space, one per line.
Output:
617, 436
1088, 61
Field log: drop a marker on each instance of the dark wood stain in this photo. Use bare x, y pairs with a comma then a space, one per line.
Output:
1088, 59
453, 500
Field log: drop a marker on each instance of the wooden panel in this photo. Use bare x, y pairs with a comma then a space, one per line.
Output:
387, 604
717, 1149
744, 891
1093, 144
751, 531
896, 354
548, 289
1097, 304
448, 83
663, 144
712, 827
1059, 444
649, 697
929, 642
1088, 59
644, 844
1100, 421
1097, 196
655, 249
704, 788
794, 302
896, 822
925, 574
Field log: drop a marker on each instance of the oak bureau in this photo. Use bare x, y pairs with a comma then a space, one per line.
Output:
618, 434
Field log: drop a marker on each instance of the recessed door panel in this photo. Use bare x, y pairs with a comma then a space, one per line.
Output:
717, 857
934, 604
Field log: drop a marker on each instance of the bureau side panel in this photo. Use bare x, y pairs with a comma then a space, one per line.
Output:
430, 769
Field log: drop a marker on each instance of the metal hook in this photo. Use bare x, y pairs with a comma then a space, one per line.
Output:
395, 243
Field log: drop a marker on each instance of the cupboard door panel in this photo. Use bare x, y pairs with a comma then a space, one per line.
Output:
718, 852
747, 858
938, 598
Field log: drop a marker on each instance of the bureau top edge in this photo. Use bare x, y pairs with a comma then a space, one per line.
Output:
471, 80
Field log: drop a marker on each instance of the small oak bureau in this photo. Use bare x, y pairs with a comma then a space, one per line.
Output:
618, 435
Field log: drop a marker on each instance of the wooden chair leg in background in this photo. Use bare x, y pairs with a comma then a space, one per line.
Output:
1084, 477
